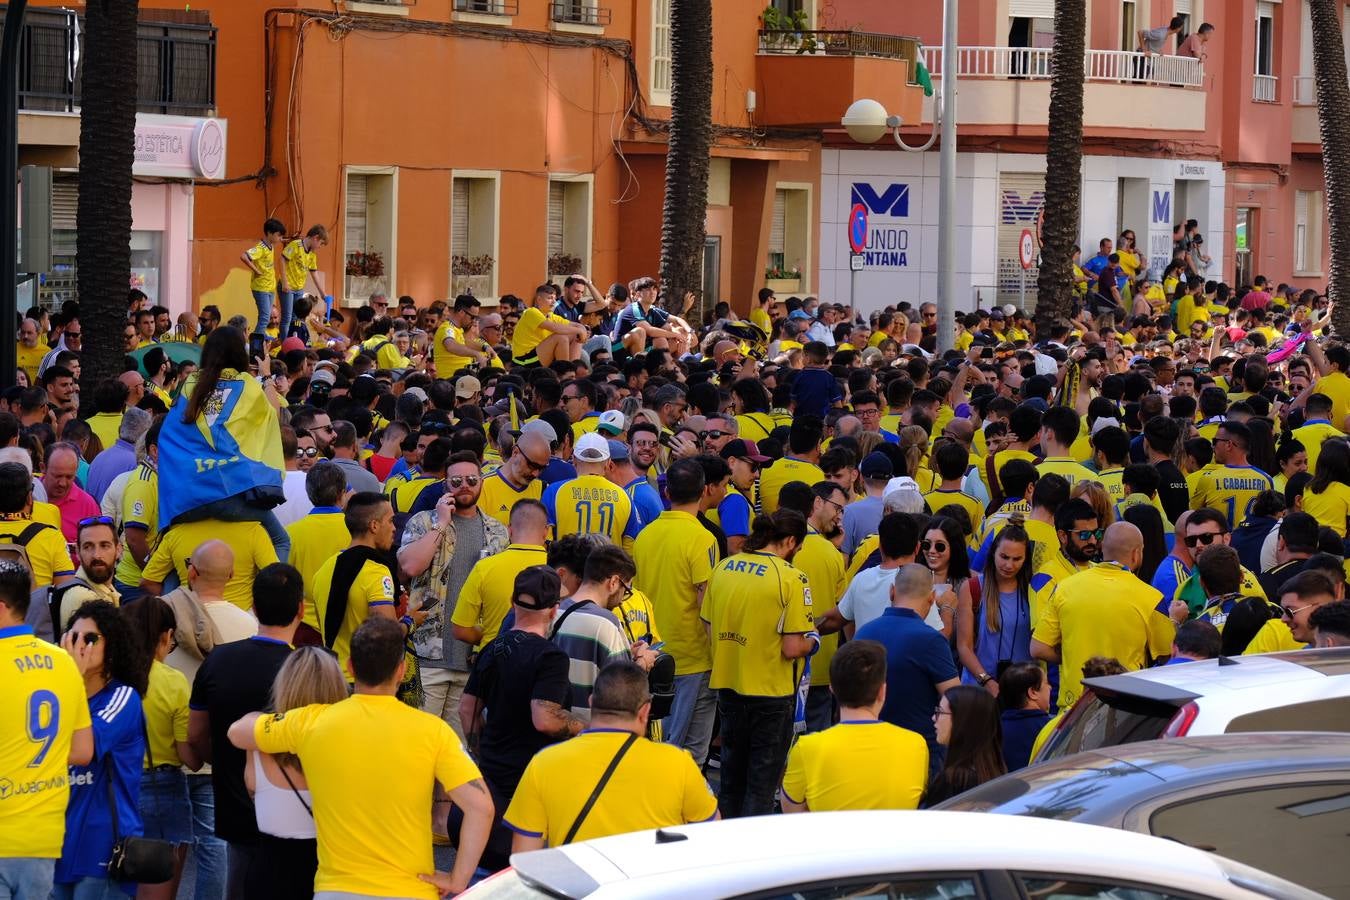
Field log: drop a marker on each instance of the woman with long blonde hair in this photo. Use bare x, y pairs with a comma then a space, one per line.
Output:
914, 446
1098, 498
287, 855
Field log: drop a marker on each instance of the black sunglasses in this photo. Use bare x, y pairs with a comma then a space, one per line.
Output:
1207, 538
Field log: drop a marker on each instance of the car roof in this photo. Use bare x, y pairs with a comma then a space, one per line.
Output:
1180, 684
1098, 786
798, 848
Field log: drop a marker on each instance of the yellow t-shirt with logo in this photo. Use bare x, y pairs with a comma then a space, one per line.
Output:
1312, 435
315, 539
674, 554
657, 785
485, 598
298, 263
754, 599
1337, 387
447, 363
823, 565
938, 498
638, 618
1067, 468
498, 496
253, 550
44, 704
264, 257
1231, 490
140, 509
166, 714
592, 504
47, 551
365, 847
772, 479
530, 332
371, 589
858, 764
1331, 507
1001, 459
754, 426
30, 358
1103, 611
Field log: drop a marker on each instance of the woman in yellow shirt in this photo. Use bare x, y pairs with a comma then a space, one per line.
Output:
1327, 498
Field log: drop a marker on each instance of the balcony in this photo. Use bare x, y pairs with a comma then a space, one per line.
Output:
498, 8
579, 12
1305, 128
1123, 90
1265, 88
175, 64
806, 79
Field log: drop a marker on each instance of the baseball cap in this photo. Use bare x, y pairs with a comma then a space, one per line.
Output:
542, 427
799, 314
996, 313
877, 466
323, 376
611, 422
618, 451
592, 448
292, 343
743, 449
467, 386
417, 392
539, 585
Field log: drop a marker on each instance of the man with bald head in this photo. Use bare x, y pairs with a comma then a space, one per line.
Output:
135, 387
1104, 611
205, 619
517, 478
31, 349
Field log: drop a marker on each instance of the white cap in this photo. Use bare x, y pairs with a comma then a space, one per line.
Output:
1046, 365
1104, 422
591, 447
611, 422
542, 427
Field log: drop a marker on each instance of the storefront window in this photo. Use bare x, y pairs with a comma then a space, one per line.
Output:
145, 261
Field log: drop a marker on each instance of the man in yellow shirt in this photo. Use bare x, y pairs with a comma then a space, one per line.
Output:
300, 269
1024, 423
1103, 611
486, 597
450, 351
1317, 427
863, 762
320, 535
675, 556
516, 479
378, 842
1233, 484
261, 262
591, 503
800, 463
1299, 597
655, 786
542, 336
31, 349
253, 550
1059, 429
1332, 364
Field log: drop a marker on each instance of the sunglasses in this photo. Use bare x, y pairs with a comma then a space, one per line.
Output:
1207, 538
90, 638
933, 546
97, 520
715, 435
1086, 535
1287, 613
306, 452
530, 464
461, 480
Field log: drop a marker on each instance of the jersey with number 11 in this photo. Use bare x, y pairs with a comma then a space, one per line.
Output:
42, 703
590, 504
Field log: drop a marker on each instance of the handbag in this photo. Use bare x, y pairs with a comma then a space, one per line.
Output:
136, 859
600, 786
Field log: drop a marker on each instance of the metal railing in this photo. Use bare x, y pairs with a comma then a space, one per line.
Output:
843, 43
488, 7
1264, 88
1305, 90
175, 64
1098, 65
579, 12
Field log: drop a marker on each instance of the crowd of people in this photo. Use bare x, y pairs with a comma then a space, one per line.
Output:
508, 577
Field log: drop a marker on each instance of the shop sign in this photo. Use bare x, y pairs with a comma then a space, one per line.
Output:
179, 147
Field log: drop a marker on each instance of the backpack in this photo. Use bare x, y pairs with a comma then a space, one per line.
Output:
55, 597
14, 547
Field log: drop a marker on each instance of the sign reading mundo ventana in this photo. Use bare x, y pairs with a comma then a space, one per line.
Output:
888, 233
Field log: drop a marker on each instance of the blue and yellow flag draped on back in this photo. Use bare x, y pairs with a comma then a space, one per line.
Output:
233, 449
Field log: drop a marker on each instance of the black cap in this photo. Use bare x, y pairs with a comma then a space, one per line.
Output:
540, 585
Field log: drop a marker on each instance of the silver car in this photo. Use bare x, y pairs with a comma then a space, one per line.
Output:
1278, 802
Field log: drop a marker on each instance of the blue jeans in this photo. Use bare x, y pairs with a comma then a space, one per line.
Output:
129, 592
819, 708
288, 299
209, 850
166, 812
756, 735
690, 723
263, 299
26, 878
89, 889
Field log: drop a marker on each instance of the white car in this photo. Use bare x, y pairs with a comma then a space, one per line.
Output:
1301, 690
919, 855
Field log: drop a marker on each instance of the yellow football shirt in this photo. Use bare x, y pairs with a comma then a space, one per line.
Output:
498, 496
140, 509
1273, 637
529, 333
315, 539
371, 589
754, 426
47, 552
1337, 387
656, 785
761, 318
447, 363
106, 426
252, 548
823, 565
264, 257
1067, 468
1311, 435
782, 471
1002, 458
591, 504
638, 618
1331, 507
368, 844
754, 599
1231, 490
1103, 611
675, 554
939, 497
166, 714
857, 764
298, 263
486, 596
44, 704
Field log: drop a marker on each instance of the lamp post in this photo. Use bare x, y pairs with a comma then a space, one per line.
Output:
866, 121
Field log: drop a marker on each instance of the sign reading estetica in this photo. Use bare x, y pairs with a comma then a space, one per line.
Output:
179, 147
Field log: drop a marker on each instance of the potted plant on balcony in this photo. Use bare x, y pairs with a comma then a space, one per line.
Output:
561, 265
365, 274
471, 275
786, 31
783, 279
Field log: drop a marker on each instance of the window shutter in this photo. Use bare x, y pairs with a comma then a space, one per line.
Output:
1181, 7
459, 217
356, 213
65, 202
661, 46
1021, 197
557, 192
778, 230
1031, 9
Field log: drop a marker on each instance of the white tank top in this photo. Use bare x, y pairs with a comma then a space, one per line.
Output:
280, 812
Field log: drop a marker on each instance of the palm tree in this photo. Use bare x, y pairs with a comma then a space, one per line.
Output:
683, 232
1333, 114
103, 218
1063, 167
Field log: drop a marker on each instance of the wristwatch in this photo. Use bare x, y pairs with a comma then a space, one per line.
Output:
984, 678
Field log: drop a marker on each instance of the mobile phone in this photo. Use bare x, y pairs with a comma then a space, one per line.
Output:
663, 439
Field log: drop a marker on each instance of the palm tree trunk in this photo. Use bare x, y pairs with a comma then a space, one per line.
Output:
1063, 167
1333, 114
683, 231
103, 218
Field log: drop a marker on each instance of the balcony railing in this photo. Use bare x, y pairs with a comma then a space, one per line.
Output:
1098, 65
579, 12
1264, 88
1305, 90
175, 64
843, 43
488, 7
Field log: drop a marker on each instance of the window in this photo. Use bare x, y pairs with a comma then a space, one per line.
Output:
1128, 39
1265, 38
902, 887
488, 7
1054, 887
661, 53
1307, 231
370, 223
579, 12
474, 201
569, 225
790, 233
58, 285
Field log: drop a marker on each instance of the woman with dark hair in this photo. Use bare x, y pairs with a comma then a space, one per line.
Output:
165, 806
1024, 695
943, 550
750, 401
993, 627
1150, 524
1245, 619
1290, 458
1327, 498
116, 673
967, 724
1261, 450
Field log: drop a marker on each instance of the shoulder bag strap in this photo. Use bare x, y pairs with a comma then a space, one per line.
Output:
558, 623
600, 786
298, 795
112, 800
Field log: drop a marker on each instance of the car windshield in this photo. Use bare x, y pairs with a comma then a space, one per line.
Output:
1057, 791
506, 885
1107, 721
